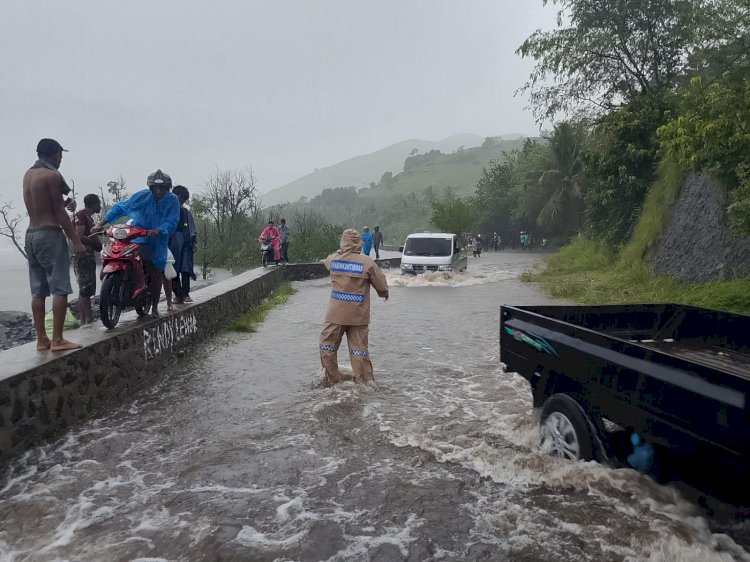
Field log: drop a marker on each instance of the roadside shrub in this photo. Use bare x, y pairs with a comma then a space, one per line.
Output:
250, 321
316, 245
582, 254
656, 213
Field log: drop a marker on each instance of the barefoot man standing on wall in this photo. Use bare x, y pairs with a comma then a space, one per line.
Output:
46, 246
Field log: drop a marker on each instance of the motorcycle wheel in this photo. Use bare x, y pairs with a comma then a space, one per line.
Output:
110, 299
265, 259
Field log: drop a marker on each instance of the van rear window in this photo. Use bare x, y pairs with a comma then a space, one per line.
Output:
428, 247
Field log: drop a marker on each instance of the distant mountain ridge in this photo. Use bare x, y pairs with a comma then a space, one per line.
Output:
359, 171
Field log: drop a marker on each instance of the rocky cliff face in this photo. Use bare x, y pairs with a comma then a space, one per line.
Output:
697, 245
16, 328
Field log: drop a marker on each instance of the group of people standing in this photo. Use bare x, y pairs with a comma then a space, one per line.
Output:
52, 234
372, 240
161, 211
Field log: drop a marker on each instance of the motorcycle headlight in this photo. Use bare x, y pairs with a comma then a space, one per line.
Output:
120, 233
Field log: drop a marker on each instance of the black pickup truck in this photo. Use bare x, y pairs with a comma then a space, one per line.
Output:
673, 379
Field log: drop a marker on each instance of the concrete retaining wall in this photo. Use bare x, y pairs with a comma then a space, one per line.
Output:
42, 394
698, 245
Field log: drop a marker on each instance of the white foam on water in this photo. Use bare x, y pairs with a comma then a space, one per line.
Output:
359, 546
322, 472
449, 278
483, 421
670, 548
285, 511
86, 507
225, 490
252, 538
517, 526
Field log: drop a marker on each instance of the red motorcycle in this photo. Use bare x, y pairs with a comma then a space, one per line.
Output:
124, 281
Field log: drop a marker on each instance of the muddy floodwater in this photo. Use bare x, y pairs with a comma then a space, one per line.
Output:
235, 454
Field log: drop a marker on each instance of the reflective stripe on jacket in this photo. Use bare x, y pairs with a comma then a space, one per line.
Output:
352, 273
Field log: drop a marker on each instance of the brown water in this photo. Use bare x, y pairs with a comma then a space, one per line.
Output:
237, 455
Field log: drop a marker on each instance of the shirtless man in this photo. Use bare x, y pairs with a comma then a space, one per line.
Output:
46, 246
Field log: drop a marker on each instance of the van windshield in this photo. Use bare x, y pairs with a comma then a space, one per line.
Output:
428, 247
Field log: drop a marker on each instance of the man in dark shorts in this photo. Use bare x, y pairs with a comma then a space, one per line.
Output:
46, 245
85, 264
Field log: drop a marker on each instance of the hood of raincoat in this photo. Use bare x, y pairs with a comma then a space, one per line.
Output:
350, 241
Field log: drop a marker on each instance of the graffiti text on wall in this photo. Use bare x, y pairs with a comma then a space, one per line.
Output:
166, 335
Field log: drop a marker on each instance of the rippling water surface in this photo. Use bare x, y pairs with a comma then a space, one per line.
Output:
237, 454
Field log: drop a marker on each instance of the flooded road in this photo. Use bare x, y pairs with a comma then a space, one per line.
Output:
237, 455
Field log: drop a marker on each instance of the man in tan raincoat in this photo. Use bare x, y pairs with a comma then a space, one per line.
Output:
352, 273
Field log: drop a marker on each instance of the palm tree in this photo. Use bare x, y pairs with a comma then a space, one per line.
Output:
560, 180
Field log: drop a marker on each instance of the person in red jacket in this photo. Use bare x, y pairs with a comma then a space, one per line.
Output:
352, 274
272, 232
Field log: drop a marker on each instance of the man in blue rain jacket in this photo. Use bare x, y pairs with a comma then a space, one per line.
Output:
158, 211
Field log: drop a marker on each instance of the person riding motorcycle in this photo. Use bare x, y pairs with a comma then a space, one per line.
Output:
273, 233
158, 211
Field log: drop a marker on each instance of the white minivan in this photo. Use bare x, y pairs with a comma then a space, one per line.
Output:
432, 251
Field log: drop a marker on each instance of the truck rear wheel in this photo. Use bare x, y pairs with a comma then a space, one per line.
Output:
565, 431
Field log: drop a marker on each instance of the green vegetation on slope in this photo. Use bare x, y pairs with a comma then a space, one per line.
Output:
402, 204
657, 209
250, 321
644, 136
587, 272
359, 171
434, 173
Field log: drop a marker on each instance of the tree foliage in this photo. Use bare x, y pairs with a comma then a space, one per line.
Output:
608, 52
560, 180
11, 227
739, 209
620, 165
497, 199
117, 192
456, 216
712, 131
228, 221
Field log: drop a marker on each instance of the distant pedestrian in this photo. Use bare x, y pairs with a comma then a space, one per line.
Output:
284, 233
182, 243
84, 264
348, 313
46, 246
476, 246
366, 241
377, 241
524, 240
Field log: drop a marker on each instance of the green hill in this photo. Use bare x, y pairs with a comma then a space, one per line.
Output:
402, 203
436, 172
360, 171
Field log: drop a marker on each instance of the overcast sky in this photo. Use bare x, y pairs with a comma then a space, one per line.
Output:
283, 86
